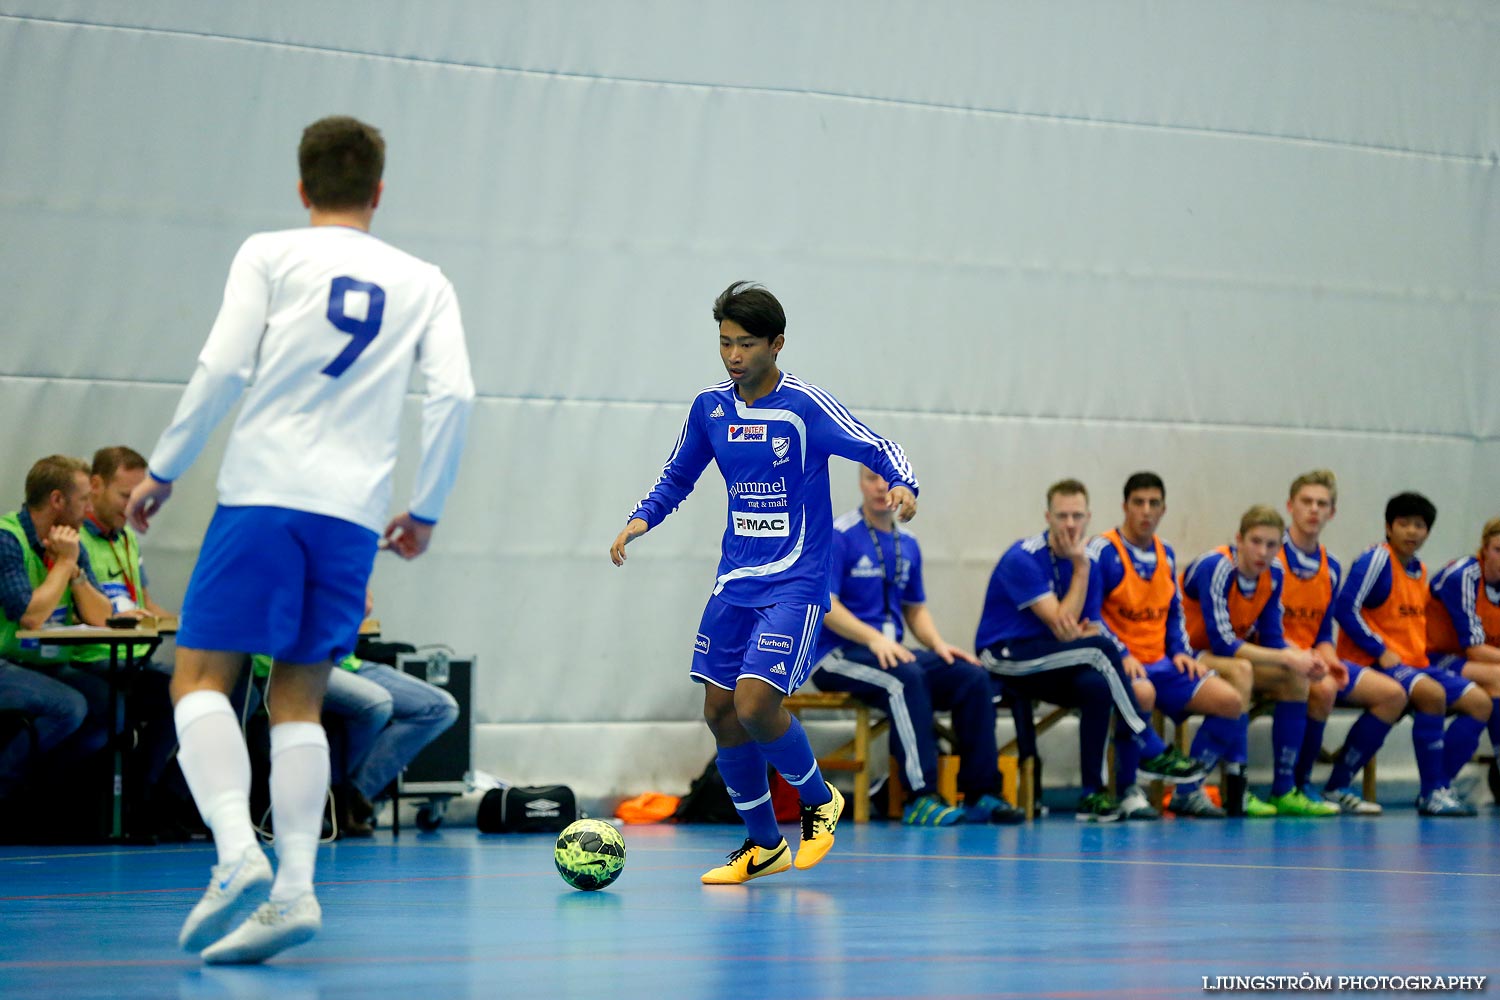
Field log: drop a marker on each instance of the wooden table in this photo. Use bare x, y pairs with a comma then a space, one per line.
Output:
148, 633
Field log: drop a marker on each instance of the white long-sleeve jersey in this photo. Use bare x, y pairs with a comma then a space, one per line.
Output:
324, 325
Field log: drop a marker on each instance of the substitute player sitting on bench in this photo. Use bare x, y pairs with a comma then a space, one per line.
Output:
878, 593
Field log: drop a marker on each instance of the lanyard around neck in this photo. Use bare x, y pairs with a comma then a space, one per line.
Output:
887, 580
125, 561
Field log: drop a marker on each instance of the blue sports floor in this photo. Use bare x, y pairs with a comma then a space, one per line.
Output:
1055, 909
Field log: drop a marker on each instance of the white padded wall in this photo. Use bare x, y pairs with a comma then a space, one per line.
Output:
1225, 242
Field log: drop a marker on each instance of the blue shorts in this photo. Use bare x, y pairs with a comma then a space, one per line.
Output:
1454, 685
1452, 662
1354, 671
281, 582
1174, 689
773, 644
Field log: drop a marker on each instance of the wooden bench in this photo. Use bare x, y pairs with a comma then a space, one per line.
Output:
1028, 766
852, 756
1018, 761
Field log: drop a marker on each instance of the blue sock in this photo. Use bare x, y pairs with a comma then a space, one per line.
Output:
792, 755
1148, 743
1127, 757
1495, 726
1238, 751
1288, 726
1364, 739
1312, 745
1427, 743
1211, 745
1459, 744
744, 772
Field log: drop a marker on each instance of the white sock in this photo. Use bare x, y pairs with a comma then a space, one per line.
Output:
299, 790
216, 765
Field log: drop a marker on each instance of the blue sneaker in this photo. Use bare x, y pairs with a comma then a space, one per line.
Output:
930, 810
1443, 802
993, 809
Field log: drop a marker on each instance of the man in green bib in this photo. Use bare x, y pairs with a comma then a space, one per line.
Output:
114, 548
114, 553
45, 578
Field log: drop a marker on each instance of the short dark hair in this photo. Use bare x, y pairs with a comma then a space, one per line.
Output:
1067, 488
1144, 481
341, 160
55, 472
1410, 505
752, 307
108, 461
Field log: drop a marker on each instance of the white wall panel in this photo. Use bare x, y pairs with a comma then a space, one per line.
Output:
1225, 242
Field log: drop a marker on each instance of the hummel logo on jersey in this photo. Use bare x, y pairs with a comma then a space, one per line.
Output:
742, 433
718, 412
780, 668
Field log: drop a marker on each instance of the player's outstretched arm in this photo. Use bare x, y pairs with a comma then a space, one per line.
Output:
635, 529
407, 536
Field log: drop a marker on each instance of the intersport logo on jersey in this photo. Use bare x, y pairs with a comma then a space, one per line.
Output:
755, 524
747, 432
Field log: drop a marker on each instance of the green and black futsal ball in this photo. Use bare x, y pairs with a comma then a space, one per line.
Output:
590, 854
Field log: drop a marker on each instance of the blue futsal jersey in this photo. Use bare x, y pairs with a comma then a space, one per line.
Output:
873, 583
778, 539
1027, 572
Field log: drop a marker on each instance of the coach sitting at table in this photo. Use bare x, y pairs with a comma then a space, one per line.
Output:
45, 578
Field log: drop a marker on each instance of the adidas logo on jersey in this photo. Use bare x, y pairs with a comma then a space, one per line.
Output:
718, 412
866, 568
732, 793
780, 668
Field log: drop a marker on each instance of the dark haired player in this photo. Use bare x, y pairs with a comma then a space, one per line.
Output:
771, 435
1382, 615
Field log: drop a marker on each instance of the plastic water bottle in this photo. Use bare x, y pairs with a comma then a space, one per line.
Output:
437, 668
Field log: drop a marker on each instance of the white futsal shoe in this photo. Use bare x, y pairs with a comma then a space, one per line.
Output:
233, 888
271, 929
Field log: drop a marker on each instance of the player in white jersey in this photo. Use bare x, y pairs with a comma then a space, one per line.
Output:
325, 325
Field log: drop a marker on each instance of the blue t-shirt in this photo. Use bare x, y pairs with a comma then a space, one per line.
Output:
1111, 573
1457, 586
1208, 579
1368, 585
1027, 572
778, 540
873, 583
1304, 566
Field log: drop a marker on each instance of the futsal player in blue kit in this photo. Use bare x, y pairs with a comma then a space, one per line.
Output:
771, 435
325, 325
